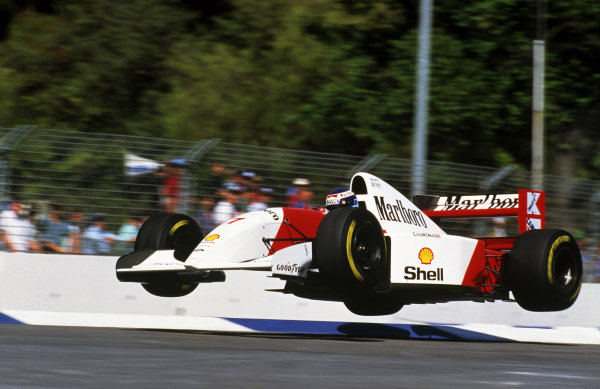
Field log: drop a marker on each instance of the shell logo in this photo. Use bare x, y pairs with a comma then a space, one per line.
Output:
212, 237
426, 256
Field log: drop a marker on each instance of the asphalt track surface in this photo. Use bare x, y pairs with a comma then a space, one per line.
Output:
68, 357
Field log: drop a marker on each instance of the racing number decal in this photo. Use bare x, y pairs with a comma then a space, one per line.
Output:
177, 225
353, 267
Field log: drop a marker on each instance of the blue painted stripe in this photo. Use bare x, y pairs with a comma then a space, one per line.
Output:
5, 319
380, 330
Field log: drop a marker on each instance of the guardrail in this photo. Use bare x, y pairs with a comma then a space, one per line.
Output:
73, 290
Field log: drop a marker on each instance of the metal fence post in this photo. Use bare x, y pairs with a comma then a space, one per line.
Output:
367, 163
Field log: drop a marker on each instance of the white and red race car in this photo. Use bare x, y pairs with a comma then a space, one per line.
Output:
375, 258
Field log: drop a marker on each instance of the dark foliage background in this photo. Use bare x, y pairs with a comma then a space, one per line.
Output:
322, 75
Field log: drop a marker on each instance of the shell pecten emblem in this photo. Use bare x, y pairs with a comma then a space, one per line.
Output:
212, 237
426, 256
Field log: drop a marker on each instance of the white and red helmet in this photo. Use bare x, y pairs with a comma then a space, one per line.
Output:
339, 198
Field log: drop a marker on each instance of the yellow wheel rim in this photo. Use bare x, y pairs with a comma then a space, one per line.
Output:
177, 225
353, 267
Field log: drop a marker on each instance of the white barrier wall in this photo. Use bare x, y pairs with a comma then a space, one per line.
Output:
83, 290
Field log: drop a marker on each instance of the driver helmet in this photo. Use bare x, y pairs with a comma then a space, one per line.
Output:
339, 198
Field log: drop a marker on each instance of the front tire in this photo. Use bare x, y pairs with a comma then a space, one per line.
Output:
545, 270
350, 249
172, 231
170, 289
373, 305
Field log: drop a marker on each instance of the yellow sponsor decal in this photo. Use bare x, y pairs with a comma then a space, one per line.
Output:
426, 256
212, 237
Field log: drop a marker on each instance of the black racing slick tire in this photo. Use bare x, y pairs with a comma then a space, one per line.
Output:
170, 289
169, 231
373, 305
350, 249
545, 270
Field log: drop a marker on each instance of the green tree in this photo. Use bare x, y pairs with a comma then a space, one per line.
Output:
92, 66
324, 75
572, 92
294, 74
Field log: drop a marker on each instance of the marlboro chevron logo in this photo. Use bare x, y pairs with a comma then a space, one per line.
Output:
493, 201
532, 207
395, 211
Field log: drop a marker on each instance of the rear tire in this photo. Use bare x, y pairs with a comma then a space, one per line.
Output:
545, 270
170, 231
350, 249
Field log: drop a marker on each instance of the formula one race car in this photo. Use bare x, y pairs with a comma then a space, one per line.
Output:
376, 257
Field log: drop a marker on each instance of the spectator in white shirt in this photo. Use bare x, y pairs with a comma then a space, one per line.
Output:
225, 209
16, 231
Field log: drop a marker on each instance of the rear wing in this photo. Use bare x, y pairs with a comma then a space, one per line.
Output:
529, 206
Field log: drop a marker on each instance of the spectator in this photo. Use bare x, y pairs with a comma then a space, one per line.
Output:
259, 200
128, 231
204, 216
171, 186
217, 177
95, 239
305, 197
54, 231
586, 258
239, 183
596, 269
498, 227
152, 184
243, 179
16, 231
298, 194
225, 209
75, 225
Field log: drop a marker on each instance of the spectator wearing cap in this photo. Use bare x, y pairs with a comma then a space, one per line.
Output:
299, 195
240, 184
95, 239
239, 180
260, 200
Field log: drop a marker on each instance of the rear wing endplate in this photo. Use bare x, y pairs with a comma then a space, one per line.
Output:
529, 206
